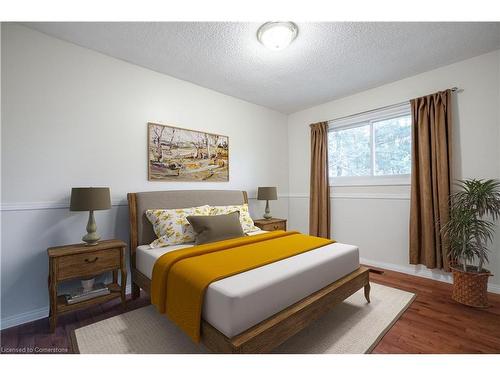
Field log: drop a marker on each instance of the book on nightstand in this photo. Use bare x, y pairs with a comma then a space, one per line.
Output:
80, 295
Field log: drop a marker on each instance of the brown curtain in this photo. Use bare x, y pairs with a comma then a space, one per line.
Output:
430, 178
319, 199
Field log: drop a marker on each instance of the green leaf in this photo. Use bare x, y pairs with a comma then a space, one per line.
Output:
473, 210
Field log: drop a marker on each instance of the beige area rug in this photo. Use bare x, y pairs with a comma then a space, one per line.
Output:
354, 327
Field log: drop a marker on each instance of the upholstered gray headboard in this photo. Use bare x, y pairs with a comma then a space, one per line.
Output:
141, 230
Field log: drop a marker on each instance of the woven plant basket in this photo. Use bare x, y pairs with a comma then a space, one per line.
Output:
470, 288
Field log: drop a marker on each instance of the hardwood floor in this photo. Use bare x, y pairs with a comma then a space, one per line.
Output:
432, 324
36, 335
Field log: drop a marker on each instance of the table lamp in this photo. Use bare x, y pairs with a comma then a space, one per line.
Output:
90, 199
267, 193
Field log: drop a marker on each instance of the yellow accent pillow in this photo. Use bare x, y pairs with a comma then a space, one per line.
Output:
246, 221
171, 226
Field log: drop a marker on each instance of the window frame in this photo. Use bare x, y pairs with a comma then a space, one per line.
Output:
363, 119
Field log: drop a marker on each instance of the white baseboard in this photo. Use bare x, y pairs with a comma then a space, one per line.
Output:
26, 317
30, 316
421, 271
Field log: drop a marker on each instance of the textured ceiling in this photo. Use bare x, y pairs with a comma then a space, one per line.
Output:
326, 61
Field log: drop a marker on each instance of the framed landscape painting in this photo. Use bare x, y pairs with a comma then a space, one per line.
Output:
176, 154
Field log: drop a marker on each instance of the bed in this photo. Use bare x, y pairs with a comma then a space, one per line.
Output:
257, 310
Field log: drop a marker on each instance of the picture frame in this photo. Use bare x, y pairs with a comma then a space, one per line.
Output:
180, 154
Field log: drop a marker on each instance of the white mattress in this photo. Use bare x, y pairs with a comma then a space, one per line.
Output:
236, 303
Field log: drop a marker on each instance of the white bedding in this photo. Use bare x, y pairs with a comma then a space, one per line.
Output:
236, 303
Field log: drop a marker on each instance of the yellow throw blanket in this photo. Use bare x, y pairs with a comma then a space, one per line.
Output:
181, 277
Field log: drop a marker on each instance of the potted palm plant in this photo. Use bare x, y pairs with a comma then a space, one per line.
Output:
473, 210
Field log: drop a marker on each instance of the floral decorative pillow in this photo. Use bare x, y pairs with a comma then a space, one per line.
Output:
171, 226
246, 221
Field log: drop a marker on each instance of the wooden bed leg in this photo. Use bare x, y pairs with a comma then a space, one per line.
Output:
136, 291
367, 292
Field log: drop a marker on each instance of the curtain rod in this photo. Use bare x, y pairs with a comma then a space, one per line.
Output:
453, 89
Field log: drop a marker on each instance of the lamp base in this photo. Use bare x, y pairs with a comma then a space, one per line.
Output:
267, 214
91, 238
91, 243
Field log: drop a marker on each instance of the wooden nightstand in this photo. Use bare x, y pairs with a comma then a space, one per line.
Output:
271, 224
79, 261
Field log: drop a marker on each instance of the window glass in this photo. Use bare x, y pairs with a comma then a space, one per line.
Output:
349, 152
371, 148
392, 146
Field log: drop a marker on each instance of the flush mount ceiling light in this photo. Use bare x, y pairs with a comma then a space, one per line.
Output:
277, 35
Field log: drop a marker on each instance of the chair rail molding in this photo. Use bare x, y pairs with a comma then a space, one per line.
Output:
48, 205
386, 196
54, 205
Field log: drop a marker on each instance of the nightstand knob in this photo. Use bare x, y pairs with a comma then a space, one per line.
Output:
91, 261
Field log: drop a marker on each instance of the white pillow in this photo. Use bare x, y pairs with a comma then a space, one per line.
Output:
171, 226
246, 221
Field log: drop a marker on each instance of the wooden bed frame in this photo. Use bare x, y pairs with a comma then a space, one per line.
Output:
270, 333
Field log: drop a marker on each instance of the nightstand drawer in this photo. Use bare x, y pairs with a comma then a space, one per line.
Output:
87, 264
274, 226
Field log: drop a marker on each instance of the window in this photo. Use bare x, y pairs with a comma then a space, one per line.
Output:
373, 148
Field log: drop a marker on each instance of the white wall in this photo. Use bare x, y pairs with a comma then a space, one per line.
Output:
376, 218
74, 117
